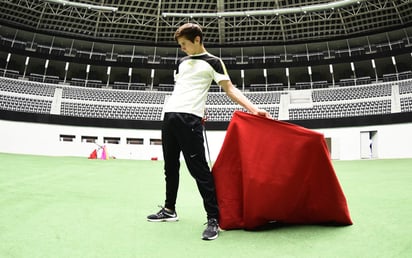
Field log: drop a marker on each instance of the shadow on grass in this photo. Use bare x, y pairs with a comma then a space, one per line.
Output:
276, 225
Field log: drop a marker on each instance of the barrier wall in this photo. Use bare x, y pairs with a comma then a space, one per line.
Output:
346, 143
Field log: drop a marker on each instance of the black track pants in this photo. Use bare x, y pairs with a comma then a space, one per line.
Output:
183, 132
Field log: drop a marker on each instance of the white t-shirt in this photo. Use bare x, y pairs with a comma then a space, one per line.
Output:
193, 79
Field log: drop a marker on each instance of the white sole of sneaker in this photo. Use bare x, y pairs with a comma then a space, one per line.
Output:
163, 220
210, 238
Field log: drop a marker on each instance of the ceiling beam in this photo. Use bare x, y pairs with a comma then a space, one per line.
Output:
221, 22
100, 8
280, 11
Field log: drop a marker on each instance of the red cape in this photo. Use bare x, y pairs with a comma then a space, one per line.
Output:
268, 170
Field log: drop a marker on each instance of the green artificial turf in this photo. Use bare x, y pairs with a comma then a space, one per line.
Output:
75, 207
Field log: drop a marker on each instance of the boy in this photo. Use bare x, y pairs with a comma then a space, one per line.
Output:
182, 129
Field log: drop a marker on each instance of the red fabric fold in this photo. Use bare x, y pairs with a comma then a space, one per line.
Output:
268, 170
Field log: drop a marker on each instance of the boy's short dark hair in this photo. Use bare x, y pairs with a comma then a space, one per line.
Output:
190, 31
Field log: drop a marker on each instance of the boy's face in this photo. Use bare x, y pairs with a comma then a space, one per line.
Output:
189, 47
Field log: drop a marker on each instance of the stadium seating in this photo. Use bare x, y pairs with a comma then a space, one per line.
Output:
26, 87
341, 110
107, 111
406, 104
37, 97
117, 96
350, 93
23, 104
405, 87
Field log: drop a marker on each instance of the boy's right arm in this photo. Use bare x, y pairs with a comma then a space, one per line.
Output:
237, 96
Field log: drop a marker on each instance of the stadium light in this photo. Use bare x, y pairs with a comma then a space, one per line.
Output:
303, 9
352, 66
46, 65
130, 77
331, 73
310, 76
374, 69
242, 75
265, 74
396, 67
25, 66
100, 8
393, 60
152, 75
87, 75
66, 69
109, 69
287, 75
7, 64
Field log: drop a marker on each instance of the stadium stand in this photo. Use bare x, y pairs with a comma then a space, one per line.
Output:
136, 89
23, 104
35, 97
117, 96
341, 110
26, 87
405, 87
107, 111
350, 93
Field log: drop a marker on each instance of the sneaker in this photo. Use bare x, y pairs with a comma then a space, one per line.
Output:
212, 230
163, 215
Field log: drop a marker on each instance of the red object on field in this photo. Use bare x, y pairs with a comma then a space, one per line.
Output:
93, 155
268, 170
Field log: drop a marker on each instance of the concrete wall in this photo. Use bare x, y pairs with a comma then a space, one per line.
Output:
389, 141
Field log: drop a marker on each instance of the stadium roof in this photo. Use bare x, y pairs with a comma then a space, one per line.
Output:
225, 22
